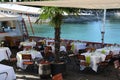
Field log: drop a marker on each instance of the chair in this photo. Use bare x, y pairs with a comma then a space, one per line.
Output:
50, 43
13, 40
106, 61
117, 64
6, 75
76, 62
27, 47
57, 77
27, 59
68, 46
83, 61
117, 68
104, 64
90, 49
12, 60
39, 45
47, 49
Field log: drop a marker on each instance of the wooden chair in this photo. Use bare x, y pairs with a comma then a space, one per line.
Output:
116, 64
83, 60
47, 49
4, 73
68, 47
90, 49
27, 59
13, 40
106, 61
12, 60
50, 43
27, 47
39, 44
57, 77
103, 65
117, 68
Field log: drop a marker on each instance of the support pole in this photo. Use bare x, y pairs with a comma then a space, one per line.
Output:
26, 31
30, 24
103, 27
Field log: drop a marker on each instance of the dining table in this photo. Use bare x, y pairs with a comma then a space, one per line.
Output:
28, 43
99, 55
62, 48
76, 46
34, 54
95, 57
49, 41
9, 72
114, 49
5, 53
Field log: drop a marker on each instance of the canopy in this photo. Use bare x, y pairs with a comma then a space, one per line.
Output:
5, 17
88, 4
19, 8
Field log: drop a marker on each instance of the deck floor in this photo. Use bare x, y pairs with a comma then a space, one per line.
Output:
72, 73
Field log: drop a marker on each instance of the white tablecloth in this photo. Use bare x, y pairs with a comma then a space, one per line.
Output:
27, 43
77, 45
32, 52
62, 48
94, 59
115, 50
9, 70
3, 54
49, 41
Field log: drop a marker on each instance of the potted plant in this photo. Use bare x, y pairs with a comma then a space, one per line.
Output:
56, 14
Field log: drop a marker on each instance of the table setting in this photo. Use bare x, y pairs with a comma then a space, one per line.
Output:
35, 55
5, 53
93, 58
10, 72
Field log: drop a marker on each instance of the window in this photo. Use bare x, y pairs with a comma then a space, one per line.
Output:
5, 26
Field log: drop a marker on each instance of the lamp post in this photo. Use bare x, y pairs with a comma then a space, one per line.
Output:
103, 28
102, 33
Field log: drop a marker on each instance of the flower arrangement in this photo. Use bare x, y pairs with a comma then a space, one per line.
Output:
103, 51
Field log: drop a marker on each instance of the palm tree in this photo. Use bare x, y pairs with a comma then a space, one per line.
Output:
55, 15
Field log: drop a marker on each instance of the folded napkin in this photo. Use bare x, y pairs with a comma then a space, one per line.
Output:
72, 47
103, 51
87, 59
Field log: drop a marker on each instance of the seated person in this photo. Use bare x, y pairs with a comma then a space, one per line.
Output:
49, 56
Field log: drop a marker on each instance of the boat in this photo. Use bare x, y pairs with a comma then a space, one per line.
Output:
11, 28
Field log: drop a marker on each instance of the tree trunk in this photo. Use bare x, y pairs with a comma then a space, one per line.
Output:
57, 42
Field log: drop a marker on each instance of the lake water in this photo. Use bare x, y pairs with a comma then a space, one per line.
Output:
90, 31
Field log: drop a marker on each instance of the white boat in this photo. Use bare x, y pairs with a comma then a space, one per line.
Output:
10, 26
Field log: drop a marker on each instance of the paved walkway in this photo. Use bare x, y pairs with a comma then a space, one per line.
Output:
73, 74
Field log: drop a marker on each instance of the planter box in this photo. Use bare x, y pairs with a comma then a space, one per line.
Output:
58, 68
